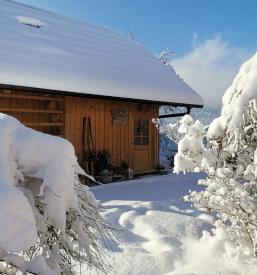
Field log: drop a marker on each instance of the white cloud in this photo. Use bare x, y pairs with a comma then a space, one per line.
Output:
210, 67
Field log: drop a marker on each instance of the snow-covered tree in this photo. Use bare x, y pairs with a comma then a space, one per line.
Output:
49, 221
227, 153
165, 56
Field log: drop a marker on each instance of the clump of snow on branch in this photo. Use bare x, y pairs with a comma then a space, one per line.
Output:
229, 158
165, 56
49, 220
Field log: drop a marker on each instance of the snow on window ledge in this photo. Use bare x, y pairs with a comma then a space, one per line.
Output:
30, 21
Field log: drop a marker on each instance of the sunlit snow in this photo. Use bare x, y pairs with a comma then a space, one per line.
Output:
162, 234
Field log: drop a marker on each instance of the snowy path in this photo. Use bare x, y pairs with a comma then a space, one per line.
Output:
161, 234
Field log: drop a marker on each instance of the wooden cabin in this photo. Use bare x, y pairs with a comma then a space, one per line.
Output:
86, 83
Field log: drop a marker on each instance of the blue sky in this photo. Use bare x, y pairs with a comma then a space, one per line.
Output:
162, 23
210, 38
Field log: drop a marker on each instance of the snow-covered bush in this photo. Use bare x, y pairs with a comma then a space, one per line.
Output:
229, 159
49, 221
168, 128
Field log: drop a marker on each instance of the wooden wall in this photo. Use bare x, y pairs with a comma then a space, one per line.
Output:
63, 116
42, 112
117, 139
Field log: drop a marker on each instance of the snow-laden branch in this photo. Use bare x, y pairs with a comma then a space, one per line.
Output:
49, 220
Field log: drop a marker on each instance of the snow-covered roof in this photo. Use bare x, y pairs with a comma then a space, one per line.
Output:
40, 49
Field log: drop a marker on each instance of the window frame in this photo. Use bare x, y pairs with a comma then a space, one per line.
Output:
141, 132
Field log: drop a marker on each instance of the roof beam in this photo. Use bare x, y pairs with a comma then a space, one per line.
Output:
177, 114
91, 95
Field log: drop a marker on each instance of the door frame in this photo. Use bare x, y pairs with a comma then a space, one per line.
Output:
141, 115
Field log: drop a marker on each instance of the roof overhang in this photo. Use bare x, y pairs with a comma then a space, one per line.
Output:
85, 95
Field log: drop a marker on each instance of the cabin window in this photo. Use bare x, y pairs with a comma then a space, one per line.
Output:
141, 131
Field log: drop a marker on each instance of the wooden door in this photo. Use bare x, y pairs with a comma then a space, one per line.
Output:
141, 143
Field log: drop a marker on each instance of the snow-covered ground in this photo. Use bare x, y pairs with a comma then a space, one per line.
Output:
162, 234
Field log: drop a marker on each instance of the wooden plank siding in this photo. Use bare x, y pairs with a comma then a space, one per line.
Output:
42, 112
63, 116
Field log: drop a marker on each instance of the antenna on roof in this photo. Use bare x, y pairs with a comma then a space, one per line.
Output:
131, 34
